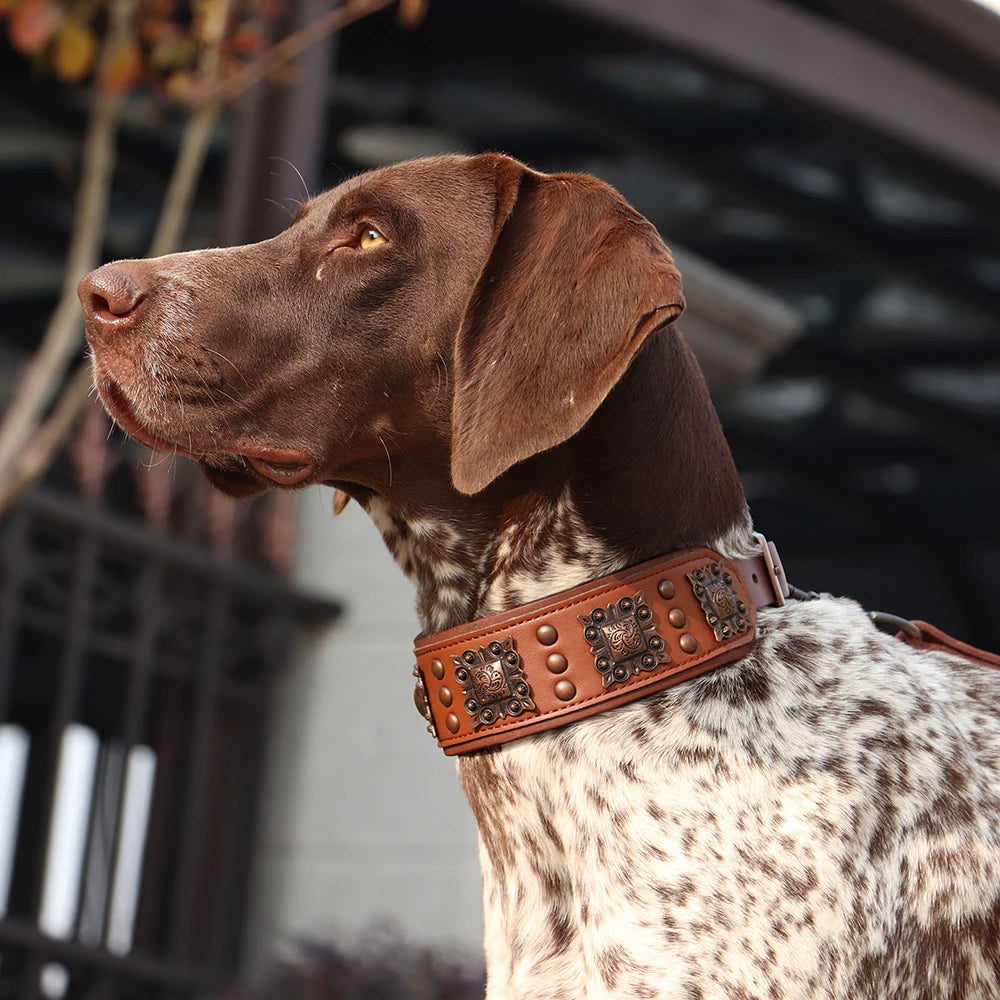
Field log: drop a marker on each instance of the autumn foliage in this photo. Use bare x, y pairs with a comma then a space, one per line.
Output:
162, 51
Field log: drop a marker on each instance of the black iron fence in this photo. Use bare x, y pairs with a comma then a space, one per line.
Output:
134, 671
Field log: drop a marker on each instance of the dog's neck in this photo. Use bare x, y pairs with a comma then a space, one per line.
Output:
649, 473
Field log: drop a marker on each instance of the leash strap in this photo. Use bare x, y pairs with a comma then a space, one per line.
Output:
933, 639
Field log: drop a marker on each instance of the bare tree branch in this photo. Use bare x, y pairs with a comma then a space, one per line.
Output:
197, 136
296, 43
62, 336
38, 453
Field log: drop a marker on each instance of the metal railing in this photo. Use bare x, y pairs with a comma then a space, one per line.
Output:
134, 675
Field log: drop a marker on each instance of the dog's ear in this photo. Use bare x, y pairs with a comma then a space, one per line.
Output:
575, 282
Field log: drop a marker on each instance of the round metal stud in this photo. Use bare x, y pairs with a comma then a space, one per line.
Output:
677, 618
565, 690
451, 721
688, 643
556, 663
437, 669
665, 589
546, 634
445, 695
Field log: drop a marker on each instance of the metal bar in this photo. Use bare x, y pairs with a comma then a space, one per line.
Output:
205, 676
64, 704
15, 565
242, 817
136, 700
831, 67
184, 976
174, 553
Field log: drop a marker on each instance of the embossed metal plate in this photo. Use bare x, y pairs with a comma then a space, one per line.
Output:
624, 639
493, 683
724, 611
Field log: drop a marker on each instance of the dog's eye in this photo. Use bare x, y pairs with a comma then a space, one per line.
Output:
370, 237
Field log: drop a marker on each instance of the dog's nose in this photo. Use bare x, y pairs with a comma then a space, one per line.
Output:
111, 297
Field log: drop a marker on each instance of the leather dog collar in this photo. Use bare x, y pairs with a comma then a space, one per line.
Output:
592, 648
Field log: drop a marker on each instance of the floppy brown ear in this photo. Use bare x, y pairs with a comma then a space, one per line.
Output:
575, 283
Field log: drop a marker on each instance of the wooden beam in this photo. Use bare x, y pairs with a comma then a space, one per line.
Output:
828, 66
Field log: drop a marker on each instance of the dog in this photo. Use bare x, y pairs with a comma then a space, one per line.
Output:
484, 357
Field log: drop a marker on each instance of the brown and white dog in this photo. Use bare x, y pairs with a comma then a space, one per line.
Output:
484, 358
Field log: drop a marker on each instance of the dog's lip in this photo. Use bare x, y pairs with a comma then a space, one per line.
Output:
283, 466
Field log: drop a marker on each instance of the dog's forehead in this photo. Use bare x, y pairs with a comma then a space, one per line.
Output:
449, 182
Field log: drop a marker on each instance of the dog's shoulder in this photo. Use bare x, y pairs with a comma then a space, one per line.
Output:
832, 794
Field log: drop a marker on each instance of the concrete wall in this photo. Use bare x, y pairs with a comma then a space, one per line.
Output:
364, 818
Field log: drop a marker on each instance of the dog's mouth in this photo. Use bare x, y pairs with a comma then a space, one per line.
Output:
118, 405
235, 471
286, 468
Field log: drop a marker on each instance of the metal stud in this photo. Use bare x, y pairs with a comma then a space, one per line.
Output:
445, 695
556, 663
665, 589
546, 635
565, 690
688, 643
677, 618
451, 721
437, 669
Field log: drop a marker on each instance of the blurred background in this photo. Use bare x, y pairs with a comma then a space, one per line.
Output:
188, 790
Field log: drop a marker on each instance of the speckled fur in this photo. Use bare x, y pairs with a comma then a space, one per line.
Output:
815, 821
809, 822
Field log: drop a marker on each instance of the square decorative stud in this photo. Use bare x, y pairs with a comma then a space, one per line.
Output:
623, 639
724, 611
493, 683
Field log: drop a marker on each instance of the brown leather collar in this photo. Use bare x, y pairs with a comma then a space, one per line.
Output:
592, 648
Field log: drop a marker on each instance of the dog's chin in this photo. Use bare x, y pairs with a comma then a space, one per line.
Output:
117, 403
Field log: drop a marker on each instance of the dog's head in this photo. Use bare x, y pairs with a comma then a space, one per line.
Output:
461, 313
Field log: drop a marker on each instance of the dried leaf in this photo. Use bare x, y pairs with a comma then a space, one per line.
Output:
155, 29
248, 40
74, 52
178, 86
122, 69
32, 24
173, 52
